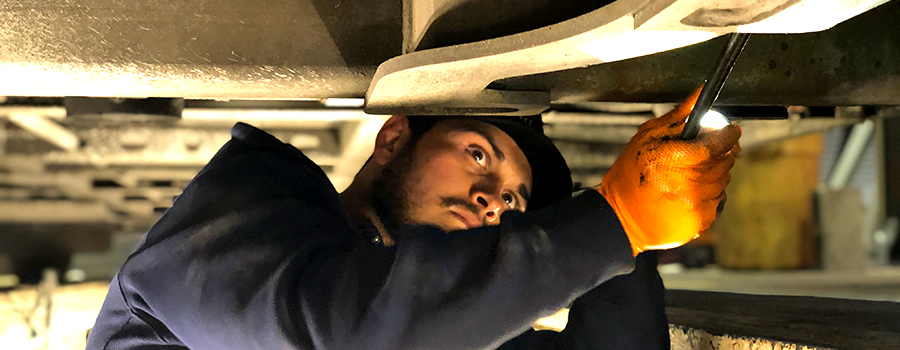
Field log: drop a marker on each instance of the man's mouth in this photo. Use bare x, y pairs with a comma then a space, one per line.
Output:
468, 219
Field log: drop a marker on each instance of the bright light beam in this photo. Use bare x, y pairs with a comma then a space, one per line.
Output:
714, 120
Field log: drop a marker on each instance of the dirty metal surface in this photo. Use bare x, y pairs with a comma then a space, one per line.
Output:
450, 79
281, 49
454, 22
855, 63
203, 49
810, 321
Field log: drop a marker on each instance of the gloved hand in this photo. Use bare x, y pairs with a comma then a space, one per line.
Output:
666, 190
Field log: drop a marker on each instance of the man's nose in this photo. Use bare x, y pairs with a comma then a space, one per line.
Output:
489, 206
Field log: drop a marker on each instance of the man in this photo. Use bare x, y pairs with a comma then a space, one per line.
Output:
429, 247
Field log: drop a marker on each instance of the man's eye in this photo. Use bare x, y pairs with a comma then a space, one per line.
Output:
479, 156
509, 199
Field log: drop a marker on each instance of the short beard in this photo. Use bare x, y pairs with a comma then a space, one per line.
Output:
390, 194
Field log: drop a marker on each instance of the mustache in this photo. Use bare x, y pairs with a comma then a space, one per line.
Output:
454, 202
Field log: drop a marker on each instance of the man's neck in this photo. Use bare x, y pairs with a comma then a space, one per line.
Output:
356, 201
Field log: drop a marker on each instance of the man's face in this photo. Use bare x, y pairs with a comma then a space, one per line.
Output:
462, 173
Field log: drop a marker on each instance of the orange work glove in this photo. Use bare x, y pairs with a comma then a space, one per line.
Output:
666, 190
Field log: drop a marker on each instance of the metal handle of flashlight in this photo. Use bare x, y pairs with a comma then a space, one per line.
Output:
714, 83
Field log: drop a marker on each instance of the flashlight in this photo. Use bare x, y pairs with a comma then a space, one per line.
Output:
714, 84
713, 120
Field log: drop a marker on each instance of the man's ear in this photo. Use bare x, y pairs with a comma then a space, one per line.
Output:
391, 139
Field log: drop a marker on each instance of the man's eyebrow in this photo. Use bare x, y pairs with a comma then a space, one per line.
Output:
523, 191
486, 136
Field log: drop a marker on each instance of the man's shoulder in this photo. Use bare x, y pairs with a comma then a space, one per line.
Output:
253, 173
251, 134
255, 139
260, 153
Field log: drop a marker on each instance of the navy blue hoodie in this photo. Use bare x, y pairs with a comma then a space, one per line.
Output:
257, 253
